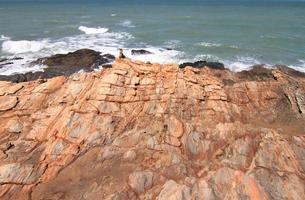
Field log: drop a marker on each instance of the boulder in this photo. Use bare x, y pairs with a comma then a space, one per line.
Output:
200, 64
63, 65
85, 59
136, 52
256, 73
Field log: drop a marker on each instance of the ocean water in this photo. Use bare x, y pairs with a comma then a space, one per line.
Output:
237, 33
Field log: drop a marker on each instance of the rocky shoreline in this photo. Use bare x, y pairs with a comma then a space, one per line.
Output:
149, 131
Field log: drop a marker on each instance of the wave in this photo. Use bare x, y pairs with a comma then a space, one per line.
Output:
88, 30
3, 38
172, 44
159, 55
236, 64
22, 46
208, 44
240, 63
302, 62
127, 23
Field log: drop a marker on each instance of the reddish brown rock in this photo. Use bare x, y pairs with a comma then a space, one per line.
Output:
151, 131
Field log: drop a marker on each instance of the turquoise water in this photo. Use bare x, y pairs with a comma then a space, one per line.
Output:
238, 34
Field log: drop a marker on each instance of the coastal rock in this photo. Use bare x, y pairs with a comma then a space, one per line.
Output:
200, 64
85, 59
154, 131
256, 73
140, 52
63, 65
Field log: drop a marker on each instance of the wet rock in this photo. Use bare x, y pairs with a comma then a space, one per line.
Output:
140, 52
83, 59
256, 73
64, 65
200, 64
141, 181
289, 71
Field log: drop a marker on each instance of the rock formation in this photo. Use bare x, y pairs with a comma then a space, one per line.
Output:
151, 131
140, 52
61, 65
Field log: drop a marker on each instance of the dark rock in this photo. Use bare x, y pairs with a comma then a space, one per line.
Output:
3, 60
290, 71
228, 82
140, 52
63, 65
107, 66
4, 64
17, 58
257, 73
29, 76
8, 61
83, 59
200, 64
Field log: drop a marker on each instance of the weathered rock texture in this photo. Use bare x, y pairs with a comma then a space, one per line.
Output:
150, 131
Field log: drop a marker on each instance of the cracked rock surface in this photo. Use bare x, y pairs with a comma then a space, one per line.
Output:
151, 131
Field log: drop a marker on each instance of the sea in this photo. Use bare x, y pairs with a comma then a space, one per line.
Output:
239, 34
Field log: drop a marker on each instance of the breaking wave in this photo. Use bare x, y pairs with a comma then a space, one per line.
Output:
98, 30
127, 23
3, 38
208, 44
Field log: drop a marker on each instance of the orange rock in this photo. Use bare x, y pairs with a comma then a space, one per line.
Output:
152, 131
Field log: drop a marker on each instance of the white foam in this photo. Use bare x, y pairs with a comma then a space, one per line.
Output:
108, 42
20, 68
172, 44
23, 46
208, 44
158, 55
127, 23
207, 57
3, 38
241, 63
113, 15
300, 66
88, 30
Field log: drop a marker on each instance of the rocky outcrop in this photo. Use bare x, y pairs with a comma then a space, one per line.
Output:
63, 65
8, 61
140, 52
151, 131
200, 64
